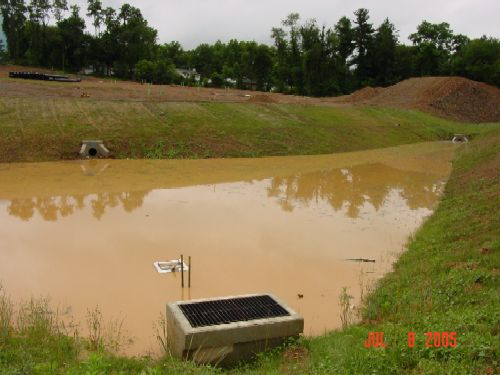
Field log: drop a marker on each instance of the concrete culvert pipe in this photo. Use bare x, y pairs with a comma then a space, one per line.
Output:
93, 149
458, 138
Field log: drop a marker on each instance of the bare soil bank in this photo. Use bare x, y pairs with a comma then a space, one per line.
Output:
449, 97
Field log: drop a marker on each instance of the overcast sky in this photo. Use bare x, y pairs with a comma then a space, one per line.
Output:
192, 22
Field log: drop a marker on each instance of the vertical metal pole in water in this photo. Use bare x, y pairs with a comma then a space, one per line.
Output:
189, 272
182, 270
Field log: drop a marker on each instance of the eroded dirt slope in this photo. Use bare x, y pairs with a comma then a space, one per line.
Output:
451, 97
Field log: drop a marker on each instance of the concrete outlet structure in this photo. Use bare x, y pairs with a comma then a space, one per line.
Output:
94, 149
229, 329
457, 138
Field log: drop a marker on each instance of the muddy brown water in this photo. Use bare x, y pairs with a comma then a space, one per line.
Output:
86, 233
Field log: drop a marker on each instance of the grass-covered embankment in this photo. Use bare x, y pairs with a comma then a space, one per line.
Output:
40, 129
447, 281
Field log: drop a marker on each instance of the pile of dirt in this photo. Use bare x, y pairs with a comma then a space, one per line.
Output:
451, 97
470, 101
261, 99
366, 93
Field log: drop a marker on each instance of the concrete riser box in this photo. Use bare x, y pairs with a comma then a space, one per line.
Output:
231, 342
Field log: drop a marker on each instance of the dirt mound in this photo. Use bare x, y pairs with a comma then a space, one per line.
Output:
471, 101
452, 97
261, 99
365, 93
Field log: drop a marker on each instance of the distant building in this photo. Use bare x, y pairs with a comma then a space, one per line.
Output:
248, 84
87, 70
3, 38
186, 73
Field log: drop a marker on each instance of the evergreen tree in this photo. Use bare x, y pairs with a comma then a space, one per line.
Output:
73, 40
343, 39
281, 67
14, 19
345, 34
384, 54
363, 37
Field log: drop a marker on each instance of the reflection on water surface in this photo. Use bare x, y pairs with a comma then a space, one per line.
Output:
340, 188
52, 208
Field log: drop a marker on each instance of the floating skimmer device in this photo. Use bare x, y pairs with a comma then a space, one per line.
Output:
176, 265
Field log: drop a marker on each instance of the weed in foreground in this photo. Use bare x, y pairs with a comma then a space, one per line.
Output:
346, 308
94, 326
6, 315
35, 319
104, 336
160, 331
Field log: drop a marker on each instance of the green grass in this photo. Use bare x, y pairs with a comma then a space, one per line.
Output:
35, 129
447, 281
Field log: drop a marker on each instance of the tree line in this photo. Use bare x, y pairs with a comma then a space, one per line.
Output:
305, 58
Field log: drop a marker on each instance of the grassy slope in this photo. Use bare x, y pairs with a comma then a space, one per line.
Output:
446, 281
35, 129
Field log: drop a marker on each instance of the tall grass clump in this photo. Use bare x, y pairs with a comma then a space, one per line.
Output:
160, 330
6, 314
346, 308
105, 335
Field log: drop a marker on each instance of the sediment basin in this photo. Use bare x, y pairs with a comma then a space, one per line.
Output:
86, 233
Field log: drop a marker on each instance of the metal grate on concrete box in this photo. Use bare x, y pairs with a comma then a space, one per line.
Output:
225, 311
229, 329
